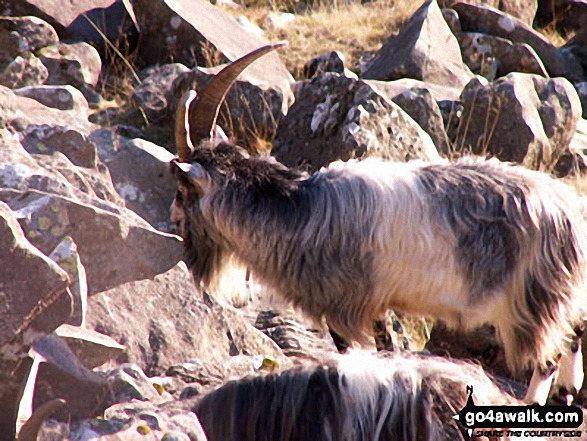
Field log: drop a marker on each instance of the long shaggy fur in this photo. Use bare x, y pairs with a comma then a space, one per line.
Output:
356, 397
472, 242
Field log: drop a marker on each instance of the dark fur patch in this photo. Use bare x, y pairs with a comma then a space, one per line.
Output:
487, 212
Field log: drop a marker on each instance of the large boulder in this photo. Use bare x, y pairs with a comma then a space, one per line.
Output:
169, 326
53, 176
35, 300
425, 49
521, 118
493, 22
335, 117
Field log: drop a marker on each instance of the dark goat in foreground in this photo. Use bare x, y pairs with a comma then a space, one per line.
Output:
471, 242
402, 397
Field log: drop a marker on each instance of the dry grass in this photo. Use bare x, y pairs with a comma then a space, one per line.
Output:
352, 29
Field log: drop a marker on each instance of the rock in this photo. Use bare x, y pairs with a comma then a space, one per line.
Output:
574, 54
571, 163
521, 118
493, 22
164, 322
34, 300
565, 15
115, 245
525, 10
425, 49
115, 21
24, 71
279, 20
332, 62
52, 11
61, 188
134, 421
21, 35
67, 257
150, 95
495, 57
91, 348
420, 105
292, 337
58, 97
76, 64
249, 27
582, 92
340, 118
178, 30
140, 173
522, 9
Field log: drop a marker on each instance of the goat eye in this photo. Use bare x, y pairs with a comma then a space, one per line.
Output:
182, 189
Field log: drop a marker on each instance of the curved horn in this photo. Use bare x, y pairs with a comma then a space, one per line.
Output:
183, 143
205, 110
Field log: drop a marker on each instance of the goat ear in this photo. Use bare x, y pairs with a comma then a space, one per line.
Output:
196, 173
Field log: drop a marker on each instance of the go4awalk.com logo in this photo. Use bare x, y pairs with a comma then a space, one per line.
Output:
522, 421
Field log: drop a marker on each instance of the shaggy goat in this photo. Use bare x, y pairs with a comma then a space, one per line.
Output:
471, 242
402, 397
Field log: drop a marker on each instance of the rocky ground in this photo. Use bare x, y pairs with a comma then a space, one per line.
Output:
98, 308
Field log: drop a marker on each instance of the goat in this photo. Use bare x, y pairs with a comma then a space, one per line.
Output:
401, 397
470, 242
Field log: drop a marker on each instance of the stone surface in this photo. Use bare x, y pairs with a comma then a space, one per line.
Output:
425, 49
178, 30
53, 176
165, 321
34, 300
140, 173
19, 35
150, 95
495, 57
521, 118
419, 103
493, 22
522, 9
58, 97
77, 64
66, 256
336, 117
22, 71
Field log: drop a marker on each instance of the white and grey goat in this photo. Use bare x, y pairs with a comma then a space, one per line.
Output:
470, 242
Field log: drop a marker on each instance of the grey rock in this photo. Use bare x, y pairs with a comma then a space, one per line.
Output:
77, 64
58, 97
419, 103
331, 62
340, 118
22, 71
140, 174
493, 22
292, 337
66, 256
495, 57
582, 91
164, 322
521, 118
150, 95
425, 49
179, 30
21, 35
